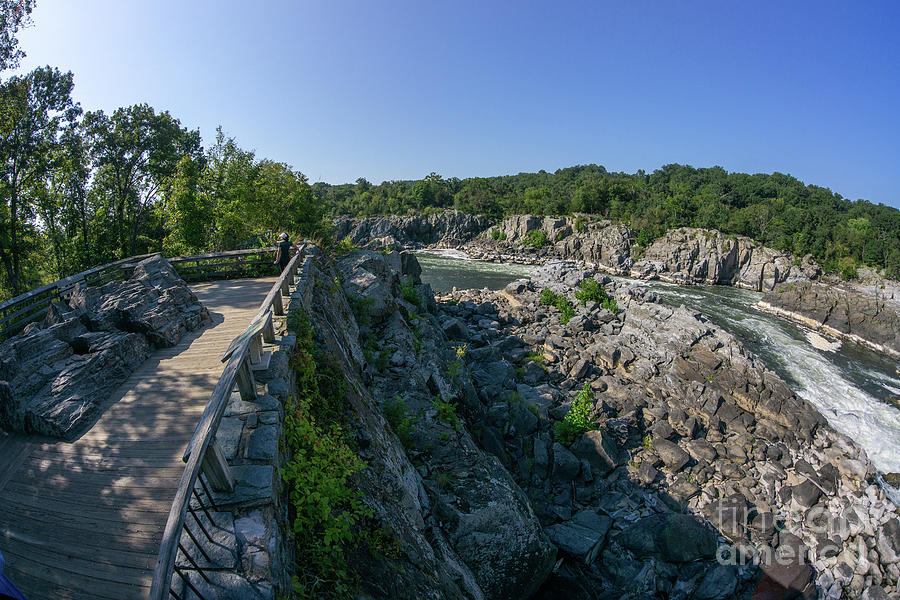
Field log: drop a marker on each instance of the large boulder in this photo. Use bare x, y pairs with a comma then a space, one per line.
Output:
57, 373
154, 301
599, 449
673, 537
690, 255
582, 536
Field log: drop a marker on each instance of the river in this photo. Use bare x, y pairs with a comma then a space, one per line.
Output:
847, 384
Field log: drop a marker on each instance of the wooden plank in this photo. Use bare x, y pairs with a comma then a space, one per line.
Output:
215, 467
82, 523
38, 587
77, 574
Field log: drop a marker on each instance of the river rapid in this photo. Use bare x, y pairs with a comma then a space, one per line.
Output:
846, 383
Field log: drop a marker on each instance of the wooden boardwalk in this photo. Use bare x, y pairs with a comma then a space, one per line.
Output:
83, 520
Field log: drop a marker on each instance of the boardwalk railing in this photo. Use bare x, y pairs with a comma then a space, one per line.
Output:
206, 469
18, 312
224, 265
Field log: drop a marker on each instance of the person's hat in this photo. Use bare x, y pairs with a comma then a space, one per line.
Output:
283, 236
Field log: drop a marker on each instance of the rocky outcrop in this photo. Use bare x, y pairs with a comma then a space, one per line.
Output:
840, 311
445, 229
697, 447
461, 526
689, 255
58, 372
599, 243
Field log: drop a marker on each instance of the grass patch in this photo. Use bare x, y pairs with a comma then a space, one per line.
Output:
410, 292
446, 411
345, 246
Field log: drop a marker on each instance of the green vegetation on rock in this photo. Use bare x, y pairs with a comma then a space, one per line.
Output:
535, 238
326, 508
562, 304
590, 290
578, 420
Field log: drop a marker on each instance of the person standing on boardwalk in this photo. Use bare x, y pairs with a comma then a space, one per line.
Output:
283, 255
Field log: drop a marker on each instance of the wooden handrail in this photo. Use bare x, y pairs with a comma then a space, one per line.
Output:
205, 433
203, 439
287, 275
71, 279
213, 255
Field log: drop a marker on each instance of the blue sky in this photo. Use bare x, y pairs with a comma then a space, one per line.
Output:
395, 90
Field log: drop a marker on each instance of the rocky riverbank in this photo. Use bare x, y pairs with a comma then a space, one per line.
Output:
688, 423
868, 320
55, 375
701, 475
682, 256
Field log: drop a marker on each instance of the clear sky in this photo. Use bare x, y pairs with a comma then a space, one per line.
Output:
395, 90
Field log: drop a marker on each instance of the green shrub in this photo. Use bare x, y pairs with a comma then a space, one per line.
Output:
446, 411
455, 366
410, 292
591, 291
395, 412
847, 268
326, 508
535, 356
344, 246
360, 307
536, 238
548, 297
580, 223
566, 310
498, 235
384, 356
578, 420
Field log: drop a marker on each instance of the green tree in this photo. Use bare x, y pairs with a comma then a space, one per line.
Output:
136, 152
33, 111
14, 15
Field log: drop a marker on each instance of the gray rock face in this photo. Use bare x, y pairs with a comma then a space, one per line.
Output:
58, 373
671, 454
889, 542
465, 528
841, 310
565, 464
717, 584
447, 229
689, 255
599, 449
673, 537
154, 302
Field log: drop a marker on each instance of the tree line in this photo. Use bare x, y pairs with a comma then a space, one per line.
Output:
775, 209
79, 189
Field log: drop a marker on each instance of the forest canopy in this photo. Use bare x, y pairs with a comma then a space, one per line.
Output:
776, 209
